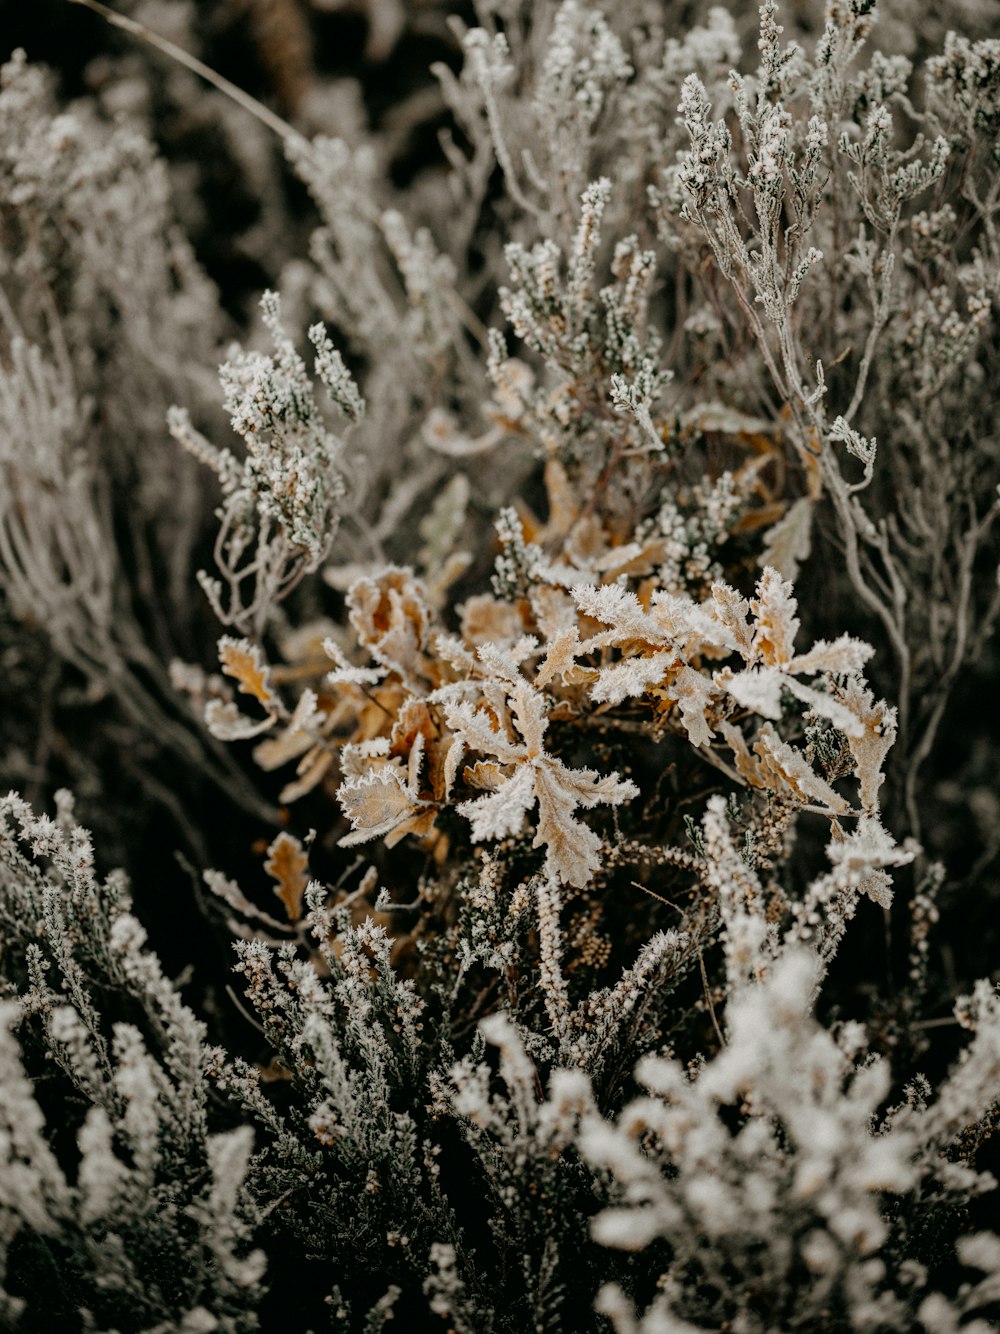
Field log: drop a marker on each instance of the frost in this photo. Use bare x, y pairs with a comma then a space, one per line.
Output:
577, 1012
529, 775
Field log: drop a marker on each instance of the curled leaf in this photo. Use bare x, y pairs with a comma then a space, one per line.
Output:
242, 660
225, 721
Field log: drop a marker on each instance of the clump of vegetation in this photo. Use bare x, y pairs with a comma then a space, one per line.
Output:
598, 598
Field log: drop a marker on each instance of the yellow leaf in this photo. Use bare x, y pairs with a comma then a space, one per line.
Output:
241, 660
777, 625
419, 825
288, 864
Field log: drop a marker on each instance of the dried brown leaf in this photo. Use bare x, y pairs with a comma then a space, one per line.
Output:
375, 803
777, 625
225, 721
877, 733
392, 618
311, 770
793, 772
242, 660
732, 611
288, 864
693, 695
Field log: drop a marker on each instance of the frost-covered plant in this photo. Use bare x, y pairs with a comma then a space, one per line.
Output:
104, 313
281, 507
810, 1144
654, 552
784, 1123
141, 1219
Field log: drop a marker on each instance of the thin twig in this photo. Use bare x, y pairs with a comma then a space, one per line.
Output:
230, 992
708, 999
262, 113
